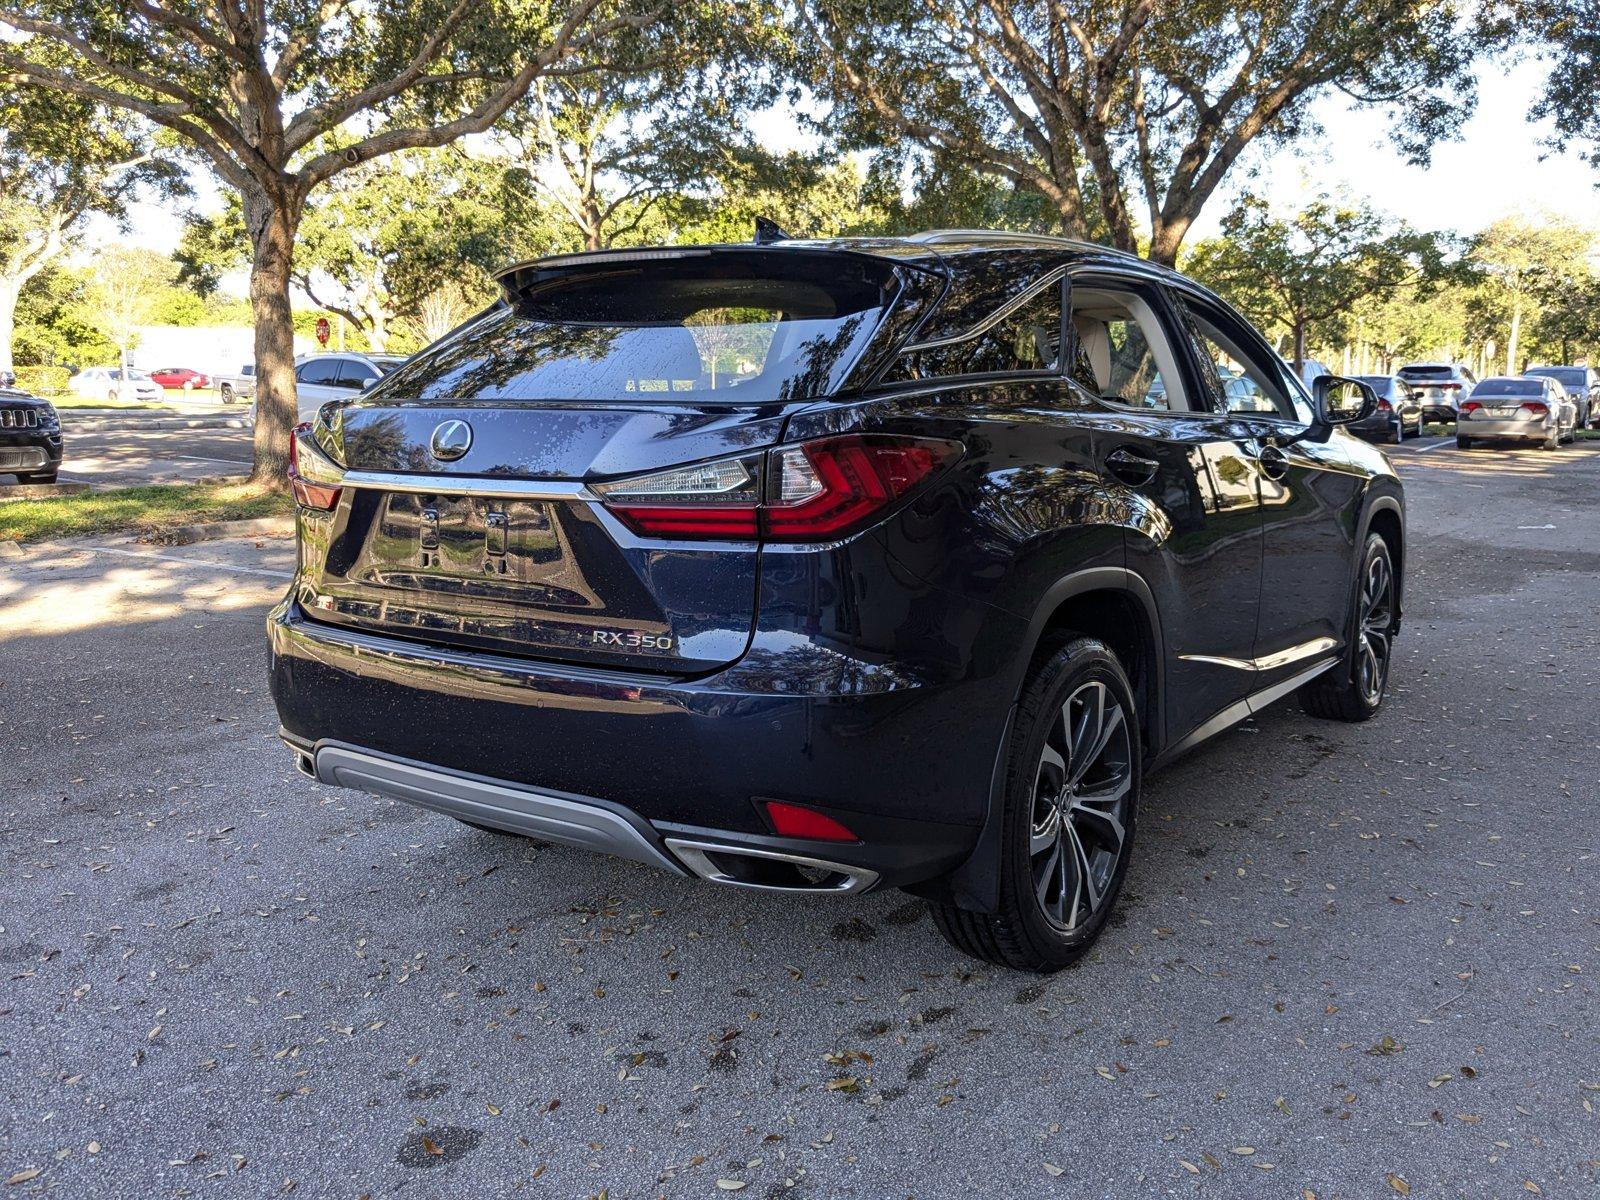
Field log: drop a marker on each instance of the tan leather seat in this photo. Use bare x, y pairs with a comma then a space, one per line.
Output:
1094, 349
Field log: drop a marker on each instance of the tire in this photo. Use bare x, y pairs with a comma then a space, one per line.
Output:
1046, 921
188, 386
225, 393
1395, 435
1463, 443
1552, 440
1420, 423
1354, 689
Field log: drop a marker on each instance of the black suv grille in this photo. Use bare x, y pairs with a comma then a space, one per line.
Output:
19, 418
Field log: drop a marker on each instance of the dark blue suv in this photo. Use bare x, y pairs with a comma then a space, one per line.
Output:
819, 566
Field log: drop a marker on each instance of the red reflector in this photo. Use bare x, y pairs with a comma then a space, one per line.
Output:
307, 494
689, 520
792, 820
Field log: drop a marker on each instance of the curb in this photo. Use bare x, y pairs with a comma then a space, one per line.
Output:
210, 531
91, 421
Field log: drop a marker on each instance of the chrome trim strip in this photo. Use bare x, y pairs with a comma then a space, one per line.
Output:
1000, 314
1241, 709
503, 805
694, 856
1268, 662
468, 485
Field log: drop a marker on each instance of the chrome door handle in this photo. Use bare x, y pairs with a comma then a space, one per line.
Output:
1131, 468
1274, 462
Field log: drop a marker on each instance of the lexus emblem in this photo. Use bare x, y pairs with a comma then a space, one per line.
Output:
451, 439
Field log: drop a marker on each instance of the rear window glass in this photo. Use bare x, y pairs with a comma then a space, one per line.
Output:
741, 327
1382, 384
1568, 376
1509, 387
1426, 373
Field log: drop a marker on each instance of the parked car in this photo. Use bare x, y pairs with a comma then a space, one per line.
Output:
241, 385
319, 378
30, 437
1399, 411
105, 383
180, 377
1583, 389
1440, 386
1517, 408
916, 600
1311, 370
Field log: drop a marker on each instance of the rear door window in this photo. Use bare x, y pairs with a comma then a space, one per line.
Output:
319, 371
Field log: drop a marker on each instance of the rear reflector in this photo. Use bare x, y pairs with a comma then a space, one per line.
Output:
303, 471
814, 491
796, 821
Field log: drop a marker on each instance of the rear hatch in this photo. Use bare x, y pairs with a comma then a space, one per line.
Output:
466, 519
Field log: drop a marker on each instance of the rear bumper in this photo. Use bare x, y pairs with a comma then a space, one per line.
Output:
1510, 429
495, 740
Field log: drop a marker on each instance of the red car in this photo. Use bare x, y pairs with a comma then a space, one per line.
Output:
180, 377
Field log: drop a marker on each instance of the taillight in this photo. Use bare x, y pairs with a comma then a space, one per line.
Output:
311, 475
1537, 408
813, 491
1470, 406
1385, 406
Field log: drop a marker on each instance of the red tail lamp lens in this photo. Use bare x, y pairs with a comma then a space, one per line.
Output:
1471, 406
797, 821
814, 491
318, 496
1537, 408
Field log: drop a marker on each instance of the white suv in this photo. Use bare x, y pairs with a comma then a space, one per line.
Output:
319, 378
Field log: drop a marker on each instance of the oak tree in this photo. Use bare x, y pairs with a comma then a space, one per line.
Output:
280, 96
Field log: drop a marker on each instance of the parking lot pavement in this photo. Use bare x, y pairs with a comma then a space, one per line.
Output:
1353, 961
126, 451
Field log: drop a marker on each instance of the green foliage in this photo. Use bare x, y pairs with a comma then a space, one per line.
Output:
1522, 265
1307, 272
1117, 115
43, 381
53, 325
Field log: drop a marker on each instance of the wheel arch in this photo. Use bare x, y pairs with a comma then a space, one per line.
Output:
1116, 606
1386, 517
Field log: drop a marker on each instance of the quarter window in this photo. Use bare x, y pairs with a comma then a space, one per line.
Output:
1025, 340
1119, 350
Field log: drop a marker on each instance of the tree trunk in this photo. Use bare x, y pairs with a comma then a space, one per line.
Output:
1299, 347
1516, 332
1165, 239
271, 221
8, 322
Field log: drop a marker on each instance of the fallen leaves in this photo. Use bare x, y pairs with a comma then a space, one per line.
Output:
24, 1175
1386, 1046
1398, 1184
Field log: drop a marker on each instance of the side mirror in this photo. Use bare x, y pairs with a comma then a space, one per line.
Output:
369, 383
1338, 401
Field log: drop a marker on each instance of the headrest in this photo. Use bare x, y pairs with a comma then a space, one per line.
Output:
1094, 348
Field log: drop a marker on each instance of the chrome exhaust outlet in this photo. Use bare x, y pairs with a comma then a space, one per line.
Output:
769, 870
303, 764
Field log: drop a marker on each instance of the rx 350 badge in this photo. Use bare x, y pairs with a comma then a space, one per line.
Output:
630, 640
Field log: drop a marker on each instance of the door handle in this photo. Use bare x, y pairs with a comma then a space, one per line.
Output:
1274, 462
1131, 468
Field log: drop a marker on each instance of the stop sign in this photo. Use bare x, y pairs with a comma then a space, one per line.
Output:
324, 330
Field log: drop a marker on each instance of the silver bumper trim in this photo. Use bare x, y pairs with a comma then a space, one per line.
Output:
505, 806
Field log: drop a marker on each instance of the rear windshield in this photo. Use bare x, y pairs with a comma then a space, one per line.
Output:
1509, 387
1382, 384
1567, 376
1427, 373
745, 327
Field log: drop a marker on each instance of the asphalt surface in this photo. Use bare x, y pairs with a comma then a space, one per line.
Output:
122, 451
1351, 961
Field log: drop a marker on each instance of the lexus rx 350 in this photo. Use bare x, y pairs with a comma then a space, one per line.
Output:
821, 566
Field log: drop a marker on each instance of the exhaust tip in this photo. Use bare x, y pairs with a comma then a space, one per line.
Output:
304, 765
769, 870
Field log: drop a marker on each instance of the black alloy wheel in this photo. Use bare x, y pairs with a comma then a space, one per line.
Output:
1073, 783
1354, 688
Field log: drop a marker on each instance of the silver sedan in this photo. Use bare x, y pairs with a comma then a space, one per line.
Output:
1517, 408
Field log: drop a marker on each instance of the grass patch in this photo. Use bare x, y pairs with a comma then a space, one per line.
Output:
137, 509
89, 402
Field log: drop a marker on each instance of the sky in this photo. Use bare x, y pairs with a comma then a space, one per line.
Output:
1496, 167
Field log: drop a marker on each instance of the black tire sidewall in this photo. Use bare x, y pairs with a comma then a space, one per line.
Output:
1374, 547
1074, 663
